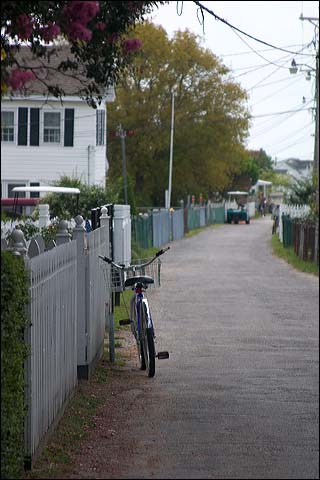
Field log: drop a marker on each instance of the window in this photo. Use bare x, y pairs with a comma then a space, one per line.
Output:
34, 194
100, 127
7, 126
11, 194
51, 127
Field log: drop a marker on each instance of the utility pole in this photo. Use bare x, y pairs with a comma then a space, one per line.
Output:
122, 135
316, 141
171, 152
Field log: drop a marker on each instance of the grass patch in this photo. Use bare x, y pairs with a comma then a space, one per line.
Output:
290, 257
77, 419
122, 312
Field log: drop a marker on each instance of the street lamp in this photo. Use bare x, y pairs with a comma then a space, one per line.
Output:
294, 69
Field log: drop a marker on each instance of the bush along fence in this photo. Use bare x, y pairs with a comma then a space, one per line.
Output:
162, 226
14, 301
68, 311
297, 230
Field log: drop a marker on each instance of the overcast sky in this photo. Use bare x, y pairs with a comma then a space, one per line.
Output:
260, 69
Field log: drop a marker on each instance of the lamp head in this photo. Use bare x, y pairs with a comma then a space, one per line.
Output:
293, 69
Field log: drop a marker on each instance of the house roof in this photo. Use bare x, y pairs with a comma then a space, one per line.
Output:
46, 70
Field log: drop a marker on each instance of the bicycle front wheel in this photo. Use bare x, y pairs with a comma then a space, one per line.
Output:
148, 350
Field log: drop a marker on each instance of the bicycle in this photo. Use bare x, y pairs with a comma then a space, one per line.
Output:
122, 277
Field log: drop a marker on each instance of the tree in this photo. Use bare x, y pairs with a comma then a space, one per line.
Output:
211, 119
303, 192
93, 30
263, 161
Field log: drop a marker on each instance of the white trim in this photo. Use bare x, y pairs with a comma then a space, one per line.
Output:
15, 127
51, 144
47, 188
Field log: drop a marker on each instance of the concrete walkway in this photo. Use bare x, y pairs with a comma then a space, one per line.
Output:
238, 397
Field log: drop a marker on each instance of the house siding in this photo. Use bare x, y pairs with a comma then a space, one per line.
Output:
46, 163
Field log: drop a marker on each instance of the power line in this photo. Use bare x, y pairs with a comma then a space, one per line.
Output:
278, 113
202, 7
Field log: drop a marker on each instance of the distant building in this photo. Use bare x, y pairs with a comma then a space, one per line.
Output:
298, 169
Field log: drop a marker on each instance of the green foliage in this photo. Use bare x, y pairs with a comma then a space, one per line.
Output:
302, 192
63, 206
211, 120
28, 228
262, 160
290, 256
14, 299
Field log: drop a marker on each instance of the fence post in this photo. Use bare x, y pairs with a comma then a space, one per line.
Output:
63, 236
104, 222
82, 320
17, 246
44, 217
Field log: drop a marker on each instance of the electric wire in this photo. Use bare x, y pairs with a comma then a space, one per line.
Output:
202, 7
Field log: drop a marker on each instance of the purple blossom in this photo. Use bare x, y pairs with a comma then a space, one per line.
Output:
24, 26
131, 45
19, 78
49, 32
100, 26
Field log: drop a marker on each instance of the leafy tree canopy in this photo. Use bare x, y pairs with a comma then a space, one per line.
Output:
263, 161
210, 119
93, 30
303, 192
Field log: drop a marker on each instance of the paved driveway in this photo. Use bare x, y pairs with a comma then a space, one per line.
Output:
238, 397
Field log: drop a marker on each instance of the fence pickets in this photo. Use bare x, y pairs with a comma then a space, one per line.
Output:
159, 227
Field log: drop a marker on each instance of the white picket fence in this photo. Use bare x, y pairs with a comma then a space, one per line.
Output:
69, 302
51, 368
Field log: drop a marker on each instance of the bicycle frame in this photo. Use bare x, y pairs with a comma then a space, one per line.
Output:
139, 299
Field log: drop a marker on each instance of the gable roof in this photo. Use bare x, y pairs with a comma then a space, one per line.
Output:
46, 70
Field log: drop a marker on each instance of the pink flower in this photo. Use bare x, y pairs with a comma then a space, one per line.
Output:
78, 14
131, 45
113, 37
49, 32
100, 26
81, 11
77, 31
24, 26
19, 78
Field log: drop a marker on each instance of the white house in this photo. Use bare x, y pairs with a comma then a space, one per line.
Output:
43, 138
297, 169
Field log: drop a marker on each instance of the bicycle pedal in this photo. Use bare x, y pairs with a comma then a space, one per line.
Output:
162, 355
126, 321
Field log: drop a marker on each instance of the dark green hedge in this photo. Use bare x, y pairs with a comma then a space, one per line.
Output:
14, 299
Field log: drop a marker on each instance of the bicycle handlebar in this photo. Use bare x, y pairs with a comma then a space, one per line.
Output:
123, 267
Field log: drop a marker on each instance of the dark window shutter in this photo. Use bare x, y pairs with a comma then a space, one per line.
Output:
34, 126
68, 127
22, 126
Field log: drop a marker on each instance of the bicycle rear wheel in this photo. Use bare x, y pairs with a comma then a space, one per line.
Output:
148, 350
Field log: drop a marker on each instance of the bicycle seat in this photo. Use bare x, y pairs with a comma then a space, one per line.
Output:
133, 280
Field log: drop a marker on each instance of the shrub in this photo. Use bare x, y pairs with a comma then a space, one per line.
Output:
14, 299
